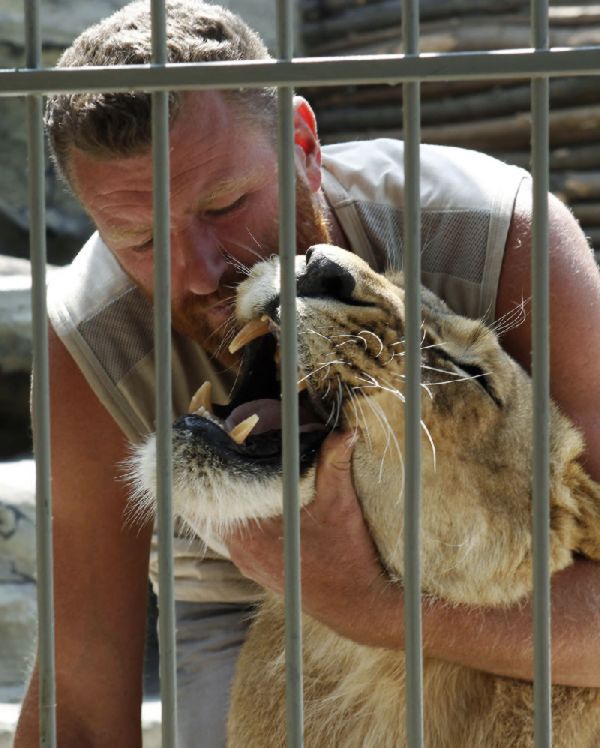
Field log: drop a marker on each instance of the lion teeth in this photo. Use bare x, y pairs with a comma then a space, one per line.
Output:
203, 413
202, 398
302, 385
240, 433
256, 328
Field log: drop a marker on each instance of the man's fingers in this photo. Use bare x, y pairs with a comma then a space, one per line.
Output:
336, 451
334, 474
335, 461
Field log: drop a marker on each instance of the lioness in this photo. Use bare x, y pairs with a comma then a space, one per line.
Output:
476, 507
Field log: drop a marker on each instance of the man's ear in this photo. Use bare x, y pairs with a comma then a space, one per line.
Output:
308, 148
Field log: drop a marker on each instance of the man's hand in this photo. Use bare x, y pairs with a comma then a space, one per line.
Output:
343, 581
345, 587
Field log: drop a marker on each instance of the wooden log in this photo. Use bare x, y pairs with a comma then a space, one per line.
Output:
428, 9
593, 236
324, 97
454, 35
360, 20
567, 126
491, 103
320, 8
389, 13
588, 214
569, 157
574, 15
575, 157
499, 134
576, 185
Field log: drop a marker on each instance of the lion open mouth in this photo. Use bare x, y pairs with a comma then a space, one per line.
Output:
250, 426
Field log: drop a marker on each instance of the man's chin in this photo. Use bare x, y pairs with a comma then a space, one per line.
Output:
212, 338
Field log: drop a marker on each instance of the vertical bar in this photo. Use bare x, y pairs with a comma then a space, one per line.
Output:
290, 421
41, 396
412, 424
162, 329
542, 687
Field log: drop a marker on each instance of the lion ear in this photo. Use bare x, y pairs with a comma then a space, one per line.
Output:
586, 493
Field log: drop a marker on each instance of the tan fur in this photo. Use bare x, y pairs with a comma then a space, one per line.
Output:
476, 518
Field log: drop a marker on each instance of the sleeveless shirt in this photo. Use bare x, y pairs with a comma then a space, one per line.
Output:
106, 323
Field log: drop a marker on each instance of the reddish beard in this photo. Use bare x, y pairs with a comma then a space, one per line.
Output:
191, 318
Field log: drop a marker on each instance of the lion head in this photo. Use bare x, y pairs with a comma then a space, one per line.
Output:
476, 431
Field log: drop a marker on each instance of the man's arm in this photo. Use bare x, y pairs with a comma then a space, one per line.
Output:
343, 583
574, 315
100, 574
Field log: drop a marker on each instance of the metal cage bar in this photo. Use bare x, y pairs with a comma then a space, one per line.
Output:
538, 64
542, 684
412, 459
307, 71
162, 358
289, 389
41, 390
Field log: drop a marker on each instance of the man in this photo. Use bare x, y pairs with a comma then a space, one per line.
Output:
223, 218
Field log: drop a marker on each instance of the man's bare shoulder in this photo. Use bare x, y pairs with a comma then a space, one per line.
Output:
87, 451
574, 311
85, 431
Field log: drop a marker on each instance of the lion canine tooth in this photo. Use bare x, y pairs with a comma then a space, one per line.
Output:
240, 433
256, 328
202, 398
302, 385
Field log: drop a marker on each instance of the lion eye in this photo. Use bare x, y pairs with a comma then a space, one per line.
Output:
476, 373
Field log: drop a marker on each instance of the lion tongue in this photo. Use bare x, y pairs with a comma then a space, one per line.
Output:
267, 410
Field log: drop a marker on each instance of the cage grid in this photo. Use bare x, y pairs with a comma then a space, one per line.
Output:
538, 64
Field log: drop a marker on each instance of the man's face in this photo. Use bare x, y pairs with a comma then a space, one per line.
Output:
223, 213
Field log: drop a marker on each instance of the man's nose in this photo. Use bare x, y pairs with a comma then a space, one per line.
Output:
198, 262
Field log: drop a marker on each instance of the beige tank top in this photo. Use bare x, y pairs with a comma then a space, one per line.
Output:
105, 322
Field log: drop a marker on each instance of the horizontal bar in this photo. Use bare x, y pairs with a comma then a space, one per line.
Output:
325, 71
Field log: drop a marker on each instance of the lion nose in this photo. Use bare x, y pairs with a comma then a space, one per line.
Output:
324, 276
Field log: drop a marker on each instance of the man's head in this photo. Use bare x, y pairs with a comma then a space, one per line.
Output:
223, 165
106, 124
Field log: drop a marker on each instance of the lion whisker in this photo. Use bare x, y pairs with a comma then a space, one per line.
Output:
459, 379
377, 338
512, 319
364, 420
380, 415
319, 368
238, 264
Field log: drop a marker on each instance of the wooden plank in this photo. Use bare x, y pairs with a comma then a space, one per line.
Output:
370, 35
490, 103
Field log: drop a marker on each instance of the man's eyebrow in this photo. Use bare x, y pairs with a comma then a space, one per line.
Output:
118, 233
228, 185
